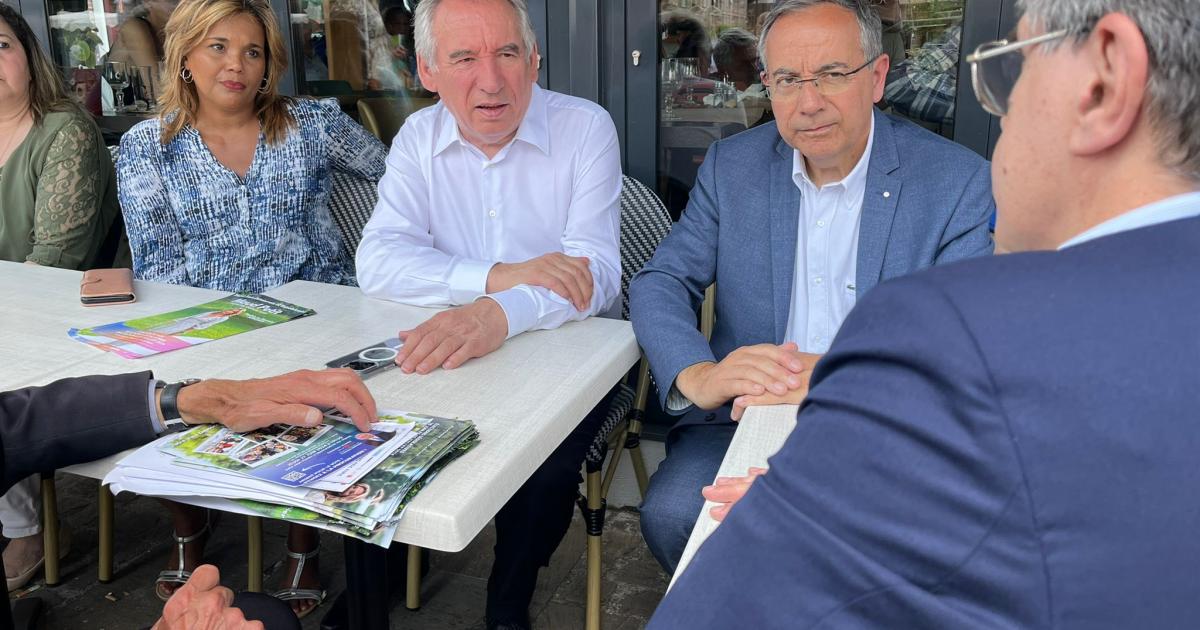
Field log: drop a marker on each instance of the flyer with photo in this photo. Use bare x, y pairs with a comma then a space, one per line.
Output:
292, 456
243, 472
231, 315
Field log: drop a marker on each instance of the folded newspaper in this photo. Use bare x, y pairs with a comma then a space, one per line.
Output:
332, 476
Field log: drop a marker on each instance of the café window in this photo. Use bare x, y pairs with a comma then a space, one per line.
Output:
362, 53
110, 51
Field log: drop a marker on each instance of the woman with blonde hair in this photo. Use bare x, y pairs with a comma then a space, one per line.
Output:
58, 207
229, 189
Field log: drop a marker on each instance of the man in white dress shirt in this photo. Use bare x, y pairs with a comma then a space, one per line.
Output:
502, 202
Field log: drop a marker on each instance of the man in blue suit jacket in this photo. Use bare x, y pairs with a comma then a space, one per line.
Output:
1010, 442
794, 222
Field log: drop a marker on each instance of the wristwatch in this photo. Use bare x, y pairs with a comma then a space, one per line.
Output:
168, 403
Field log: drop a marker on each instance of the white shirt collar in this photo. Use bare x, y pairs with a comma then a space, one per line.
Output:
534, 129
855, 182
1169, 209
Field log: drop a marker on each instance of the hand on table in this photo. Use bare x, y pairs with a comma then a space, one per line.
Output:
293, 398
728, 491
568, 276
748, 371
203, 604
450, 338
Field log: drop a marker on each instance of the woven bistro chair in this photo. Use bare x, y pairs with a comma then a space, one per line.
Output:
644, 223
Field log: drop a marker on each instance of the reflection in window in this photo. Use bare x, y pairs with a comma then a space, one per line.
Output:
710, 85
110, 52
923, 37
361, 53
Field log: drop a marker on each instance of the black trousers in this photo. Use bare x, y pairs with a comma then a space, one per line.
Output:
274, 614
533, 522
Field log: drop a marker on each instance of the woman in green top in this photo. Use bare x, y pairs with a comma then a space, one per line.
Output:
58, 206
57, 184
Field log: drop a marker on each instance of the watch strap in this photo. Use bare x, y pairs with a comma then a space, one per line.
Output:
168, 403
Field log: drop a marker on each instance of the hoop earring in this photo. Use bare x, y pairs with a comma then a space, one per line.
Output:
186, 75
262, 89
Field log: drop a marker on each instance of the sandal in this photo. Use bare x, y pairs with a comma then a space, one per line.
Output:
294, 592
180, 575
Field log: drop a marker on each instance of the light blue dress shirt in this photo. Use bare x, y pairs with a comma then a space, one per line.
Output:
1170, 209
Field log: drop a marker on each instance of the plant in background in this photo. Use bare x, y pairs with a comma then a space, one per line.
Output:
80, 45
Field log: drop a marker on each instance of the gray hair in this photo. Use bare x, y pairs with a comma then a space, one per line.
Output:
427, 44
869, 25
729, 42
1173, 43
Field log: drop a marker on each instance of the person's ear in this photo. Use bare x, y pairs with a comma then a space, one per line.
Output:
879, 76
536, 63
1110, 107
428, 75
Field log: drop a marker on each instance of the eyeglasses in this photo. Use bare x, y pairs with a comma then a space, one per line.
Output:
994, 72
785, 87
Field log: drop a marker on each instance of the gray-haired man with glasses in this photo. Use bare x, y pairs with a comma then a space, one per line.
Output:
1010, 442
794, 222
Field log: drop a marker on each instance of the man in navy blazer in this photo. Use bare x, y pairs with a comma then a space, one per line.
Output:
1010, 442
793, 222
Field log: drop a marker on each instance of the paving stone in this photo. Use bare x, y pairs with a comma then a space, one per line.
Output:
453, 594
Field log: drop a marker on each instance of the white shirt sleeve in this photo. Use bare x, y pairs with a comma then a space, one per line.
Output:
396, 259
592, 230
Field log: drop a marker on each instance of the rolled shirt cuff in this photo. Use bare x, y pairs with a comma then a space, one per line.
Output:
676, 401
468, 280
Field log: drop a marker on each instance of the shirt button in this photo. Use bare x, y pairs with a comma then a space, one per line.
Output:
821, 223
491, 213
817, 280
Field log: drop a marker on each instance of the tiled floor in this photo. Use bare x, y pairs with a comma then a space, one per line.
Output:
453, 592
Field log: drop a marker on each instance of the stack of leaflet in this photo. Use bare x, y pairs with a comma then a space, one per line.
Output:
330, 476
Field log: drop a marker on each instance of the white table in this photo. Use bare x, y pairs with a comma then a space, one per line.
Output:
524, 398
760, 434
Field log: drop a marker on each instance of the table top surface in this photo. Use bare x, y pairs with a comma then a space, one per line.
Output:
759, 435
524, 398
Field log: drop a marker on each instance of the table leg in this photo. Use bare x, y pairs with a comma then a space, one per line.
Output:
50, 529
106, 535
412, 593
254, 563
367, 588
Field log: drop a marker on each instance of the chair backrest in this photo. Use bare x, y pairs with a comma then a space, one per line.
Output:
384, 115
324, 88
351, 202
644, 223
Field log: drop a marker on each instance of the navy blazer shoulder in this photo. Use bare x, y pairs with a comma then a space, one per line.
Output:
1000, 443
928, 201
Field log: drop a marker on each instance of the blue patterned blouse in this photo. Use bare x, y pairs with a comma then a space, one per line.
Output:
193, 221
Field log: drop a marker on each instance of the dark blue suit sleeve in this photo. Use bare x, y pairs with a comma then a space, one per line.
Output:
665, 295
72, 421
898, 500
